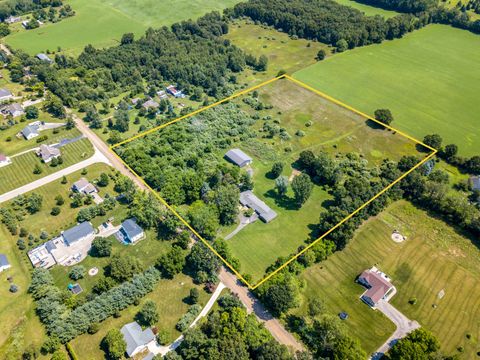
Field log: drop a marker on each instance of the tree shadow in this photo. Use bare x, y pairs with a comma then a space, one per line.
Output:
284, 202
374, 125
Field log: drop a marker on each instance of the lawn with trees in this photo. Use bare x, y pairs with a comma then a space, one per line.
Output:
426, 79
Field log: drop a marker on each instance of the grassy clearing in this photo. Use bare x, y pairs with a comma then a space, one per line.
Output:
282, 51
434, 257
333, 129
367, 9
102, 23
169, 296
20, 171
430, 80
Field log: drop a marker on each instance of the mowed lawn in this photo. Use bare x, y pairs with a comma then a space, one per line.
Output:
430, 80
103, 22
20, 171
434, 257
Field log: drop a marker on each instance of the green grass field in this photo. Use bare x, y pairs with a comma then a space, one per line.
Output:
20, 171
282, 51
102, 23
430, 80
335, 130
434, 257
367, 9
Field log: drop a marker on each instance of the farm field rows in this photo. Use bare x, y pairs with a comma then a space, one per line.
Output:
434, 258
111, 20
20, 171
430, 80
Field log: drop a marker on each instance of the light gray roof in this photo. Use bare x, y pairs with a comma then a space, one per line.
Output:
30, 129
77, 232
46, 152
248, 198
5, 92
131, 228
80, 184
134, 336
238, 157
49, 245
43, 57
3, 260
150, 104
475, 182
14, 107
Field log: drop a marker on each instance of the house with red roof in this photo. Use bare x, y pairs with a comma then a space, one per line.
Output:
378, 284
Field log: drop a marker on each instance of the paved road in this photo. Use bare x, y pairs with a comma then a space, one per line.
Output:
97, 157
253, 305
163, 350
403, 324
104, 149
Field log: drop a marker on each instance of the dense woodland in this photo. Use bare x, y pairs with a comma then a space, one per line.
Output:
19, 7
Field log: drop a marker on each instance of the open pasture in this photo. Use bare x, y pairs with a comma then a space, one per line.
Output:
430, 80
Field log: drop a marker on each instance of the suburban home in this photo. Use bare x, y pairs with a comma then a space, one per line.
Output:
475, 182
30, 131
4, 160
162, 94
174, 92
13, 19
14, 110
43, 57
4, 264
5, 94
248, 199
150, 104
137, 339
48, 153
135, 101
238, 157
378, 286
131, 232
78, 233
83, 186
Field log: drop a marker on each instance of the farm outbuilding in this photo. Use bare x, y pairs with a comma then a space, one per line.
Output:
248, 199
238, 157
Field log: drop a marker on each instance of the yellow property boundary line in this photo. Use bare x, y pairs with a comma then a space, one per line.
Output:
323, 95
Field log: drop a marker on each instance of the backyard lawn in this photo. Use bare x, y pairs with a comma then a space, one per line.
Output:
20, 171
102, 23
434, 260
430, 80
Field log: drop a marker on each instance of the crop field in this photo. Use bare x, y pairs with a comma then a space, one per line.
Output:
102, 23
324, 126
20, 171
430, 80
434, 259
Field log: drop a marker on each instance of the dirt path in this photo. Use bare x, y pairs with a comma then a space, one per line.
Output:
253, 305
105, 150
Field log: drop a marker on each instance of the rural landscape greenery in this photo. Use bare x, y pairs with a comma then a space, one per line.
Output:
89, 75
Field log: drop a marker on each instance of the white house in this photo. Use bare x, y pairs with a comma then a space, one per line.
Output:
30, 132
4, 264
83, 186
137, 339
131, 232
14, 110
48, 153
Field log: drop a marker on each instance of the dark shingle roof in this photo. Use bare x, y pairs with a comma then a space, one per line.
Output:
248, 198
77, 232
131, 228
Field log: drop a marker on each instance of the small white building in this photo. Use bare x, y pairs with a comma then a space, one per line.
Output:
4, 264
131, 232
14, 109
83, 186
238, 157
4, 160
30, 132
13, 19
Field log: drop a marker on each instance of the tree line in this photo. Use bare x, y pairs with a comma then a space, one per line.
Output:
20, 7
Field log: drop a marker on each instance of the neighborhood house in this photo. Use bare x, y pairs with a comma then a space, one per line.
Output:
238, 157
248, 199
14, 110
136, 339
378, 286
13, 19
83, 186
30, 131
48, 153
130, 232
150, 104
4, 264
44, 57
65, 249
5, 94
172, 90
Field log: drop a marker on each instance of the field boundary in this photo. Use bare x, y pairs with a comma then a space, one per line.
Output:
293, 258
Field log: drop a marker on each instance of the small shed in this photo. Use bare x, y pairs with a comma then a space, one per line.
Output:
238, 157
4, 264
